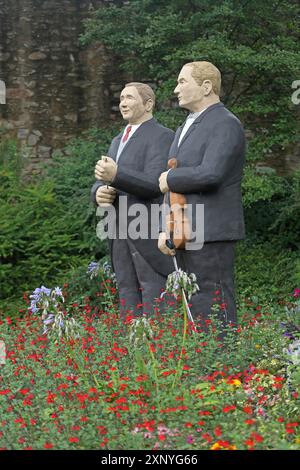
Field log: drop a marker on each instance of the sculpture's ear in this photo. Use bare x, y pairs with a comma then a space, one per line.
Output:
149, 105
208, 87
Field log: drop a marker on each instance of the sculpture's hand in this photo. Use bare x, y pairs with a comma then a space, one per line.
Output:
105, 196
163, 185
106, 169
162, 245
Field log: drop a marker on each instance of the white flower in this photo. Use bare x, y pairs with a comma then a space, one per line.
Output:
178, 280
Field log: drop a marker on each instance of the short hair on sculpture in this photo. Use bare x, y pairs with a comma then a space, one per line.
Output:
203, 70
145, 91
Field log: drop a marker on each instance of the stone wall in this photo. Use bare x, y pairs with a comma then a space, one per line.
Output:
54, 87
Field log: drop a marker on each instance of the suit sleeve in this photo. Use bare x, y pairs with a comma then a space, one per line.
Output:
144, 184
95, 186
225, 145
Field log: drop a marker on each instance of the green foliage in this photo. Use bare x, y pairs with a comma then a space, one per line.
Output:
252, 41
265, 270
48, 225
258, 186
273, 211
287, 224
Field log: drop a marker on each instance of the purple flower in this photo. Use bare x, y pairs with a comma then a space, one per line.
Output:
42, 297
45, 290
58, 292
93, 266
49, 319
33, 307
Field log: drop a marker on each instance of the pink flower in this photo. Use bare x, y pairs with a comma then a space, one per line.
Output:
296, 293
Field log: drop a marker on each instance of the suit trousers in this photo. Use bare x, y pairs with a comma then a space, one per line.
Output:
214, 268
139, 285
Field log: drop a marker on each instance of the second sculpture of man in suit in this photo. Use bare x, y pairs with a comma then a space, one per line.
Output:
135, 160
210, 151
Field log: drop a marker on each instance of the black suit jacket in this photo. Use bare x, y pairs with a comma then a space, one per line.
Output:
210, 159
143, 159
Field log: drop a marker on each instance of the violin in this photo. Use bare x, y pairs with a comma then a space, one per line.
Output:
177, 222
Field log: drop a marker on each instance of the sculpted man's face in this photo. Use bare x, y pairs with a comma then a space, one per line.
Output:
190, 95
132, 107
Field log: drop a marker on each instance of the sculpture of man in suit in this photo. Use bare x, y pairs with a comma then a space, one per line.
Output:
135, 160
210, 151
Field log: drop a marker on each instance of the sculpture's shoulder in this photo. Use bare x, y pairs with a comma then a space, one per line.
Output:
154, 128
224, 115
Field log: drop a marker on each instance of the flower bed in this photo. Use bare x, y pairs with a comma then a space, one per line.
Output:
138, 386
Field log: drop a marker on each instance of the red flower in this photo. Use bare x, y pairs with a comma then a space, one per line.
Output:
218, 431
256, 437
249, 443
250, 421
169, 372
48, 445
101, 430
105, 441
51, 397
248, 410
141, 378
73, 439
289, 427
228, 408
188, 425
207, 437
204, 413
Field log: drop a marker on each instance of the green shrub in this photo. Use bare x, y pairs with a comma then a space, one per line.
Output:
48, 225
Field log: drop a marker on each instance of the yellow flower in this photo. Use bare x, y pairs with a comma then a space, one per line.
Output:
222, 445
216, 446
236, 382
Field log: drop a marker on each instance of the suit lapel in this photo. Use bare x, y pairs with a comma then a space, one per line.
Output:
114, 149
174, 147
188, 132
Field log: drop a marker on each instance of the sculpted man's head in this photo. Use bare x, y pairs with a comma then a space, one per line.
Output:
137, 101
199, 85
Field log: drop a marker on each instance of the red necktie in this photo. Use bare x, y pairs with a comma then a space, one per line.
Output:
128, 129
